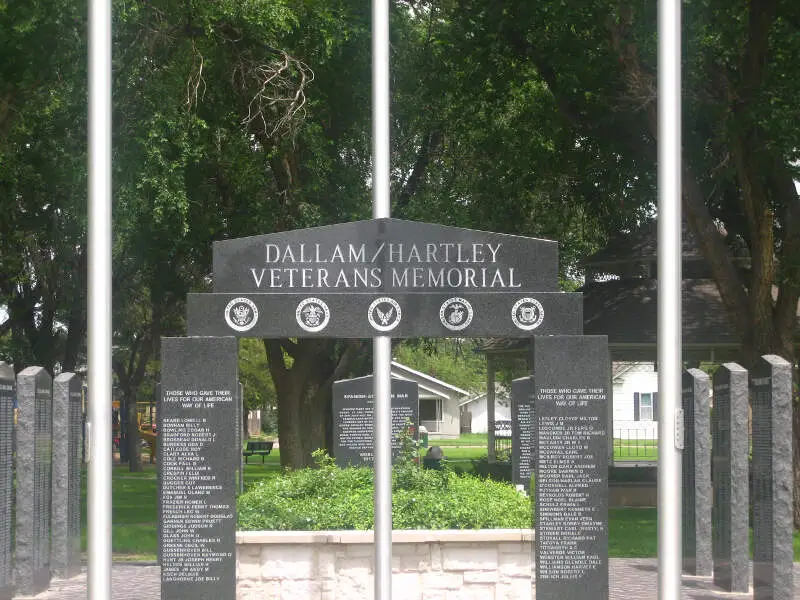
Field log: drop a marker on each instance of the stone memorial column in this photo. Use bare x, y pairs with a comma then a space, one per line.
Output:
571, 376
65, 553
7, 392
771, 384
34, 456
240, 435
522, 431
729, 450
197, 463
696, 514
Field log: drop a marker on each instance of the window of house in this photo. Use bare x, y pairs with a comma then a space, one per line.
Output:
645, 407
430, 409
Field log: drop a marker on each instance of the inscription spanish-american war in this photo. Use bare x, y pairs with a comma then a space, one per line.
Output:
354, 415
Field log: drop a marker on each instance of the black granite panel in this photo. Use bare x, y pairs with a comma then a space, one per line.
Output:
352, 315
354, 418
197, 462
239, 437
33, 469
771, 387
7, 394
729, 515
522, 431
696, 515
571, 376
385, 256
65, 539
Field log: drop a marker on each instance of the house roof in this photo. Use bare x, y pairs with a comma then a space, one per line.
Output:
642, 244
625, 310
501, 394
426, 382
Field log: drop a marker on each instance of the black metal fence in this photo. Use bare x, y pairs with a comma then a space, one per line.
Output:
635, 444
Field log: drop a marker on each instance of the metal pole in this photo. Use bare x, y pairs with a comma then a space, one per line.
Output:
99, 302
490, 406
670, 418
382, 345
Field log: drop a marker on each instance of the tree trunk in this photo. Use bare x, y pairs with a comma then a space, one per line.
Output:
304, 393
302, 417
132, 433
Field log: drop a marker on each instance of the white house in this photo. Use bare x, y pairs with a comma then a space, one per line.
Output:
438, 402
473, 410
635, 401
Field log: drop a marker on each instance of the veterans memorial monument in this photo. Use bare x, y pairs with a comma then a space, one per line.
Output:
383, 277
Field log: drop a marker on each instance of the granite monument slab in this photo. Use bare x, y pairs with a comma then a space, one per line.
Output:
198, 457
240, 437
384, 256
729, 455
696, 461
522, 431
33, 471
354, 415
7, 395
65, 540
571, 378
771, 386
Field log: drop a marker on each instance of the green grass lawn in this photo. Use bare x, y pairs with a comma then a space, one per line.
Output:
632, 531
466, 439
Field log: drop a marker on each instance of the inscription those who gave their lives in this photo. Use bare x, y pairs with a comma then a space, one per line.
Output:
188, 517
567, 473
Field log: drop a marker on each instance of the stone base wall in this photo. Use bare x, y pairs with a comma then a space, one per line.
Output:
426, 565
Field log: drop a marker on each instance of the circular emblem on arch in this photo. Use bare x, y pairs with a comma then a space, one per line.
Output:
241, 314
313, 314
456, 313
384, 313
527, 313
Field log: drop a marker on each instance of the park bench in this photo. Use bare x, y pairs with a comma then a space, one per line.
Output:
261, 449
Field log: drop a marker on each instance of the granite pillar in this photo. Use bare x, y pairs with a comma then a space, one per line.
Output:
571, 377
771, 386
7, 393
696, 514
65, 552
240, 437
522, 431
34, 456
197, 464
730, 440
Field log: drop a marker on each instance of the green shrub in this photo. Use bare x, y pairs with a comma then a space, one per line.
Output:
332, 498
499, 470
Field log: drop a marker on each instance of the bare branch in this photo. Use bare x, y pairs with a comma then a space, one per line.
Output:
196, 82
280, 85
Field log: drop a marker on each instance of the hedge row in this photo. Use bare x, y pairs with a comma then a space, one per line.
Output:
332, 498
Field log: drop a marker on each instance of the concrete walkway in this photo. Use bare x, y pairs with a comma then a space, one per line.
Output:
631, 579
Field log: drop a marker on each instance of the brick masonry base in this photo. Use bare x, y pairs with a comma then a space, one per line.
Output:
426, 565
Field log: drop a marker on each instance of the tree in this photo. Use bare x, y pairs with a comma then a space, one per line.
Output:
740, 130
259, 391
42, 184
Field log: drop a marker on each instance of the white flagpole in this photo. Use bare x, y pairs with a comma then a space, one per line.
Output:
99, 302
670, 418
382, 345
